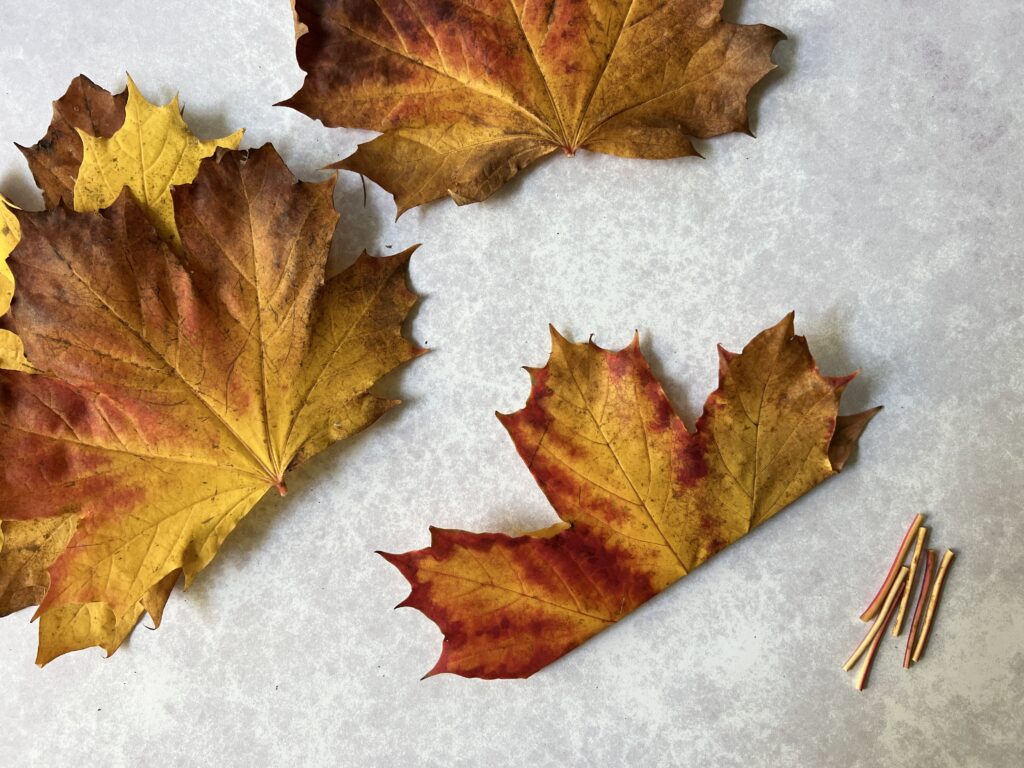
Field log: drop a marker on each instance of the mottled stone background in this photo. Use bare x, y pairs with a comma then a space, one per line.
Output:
882, 201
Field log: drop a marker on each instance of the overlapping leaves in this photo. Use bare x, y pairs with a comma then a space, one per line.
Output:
184, 365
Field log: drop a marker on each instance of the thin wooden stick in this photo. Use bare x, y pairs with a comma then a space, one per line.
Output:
932, 604
922, 597
862, 674
901, 614
872, 610
877, 626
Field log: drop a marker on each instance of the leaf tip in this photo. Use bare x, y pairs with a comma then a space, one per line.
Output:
557, 339
847, 433
839, 383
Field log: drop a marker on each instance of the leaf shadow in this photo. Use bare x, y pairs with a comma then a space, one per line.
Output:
784, 58
356, 231
211, 120
20, 189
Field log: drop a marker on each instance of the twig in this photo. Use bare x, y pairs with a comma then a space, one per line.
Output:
932, 604
901, 614
926, 582
872, 610
862, 674
877, 626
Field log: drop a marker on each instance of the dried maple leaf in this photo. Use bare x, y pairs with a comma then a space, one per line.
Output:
177, 387
29, 548
643, 501
150, 153
468, 94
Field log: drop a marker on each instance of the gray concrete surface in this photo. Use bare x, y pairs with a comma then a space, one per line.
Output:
882, 201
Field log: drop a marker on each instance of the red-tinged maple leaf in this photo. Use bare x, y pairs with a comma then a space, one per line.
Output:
466, 95
643, 501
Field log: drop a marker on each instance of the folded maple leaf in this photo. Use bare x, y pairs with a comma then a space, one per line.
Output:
643, 501
468, 94
177, 386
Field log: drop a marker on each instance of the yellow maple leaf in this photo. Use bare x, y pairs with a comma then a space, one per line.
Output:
10, 232
181, 385
152, 152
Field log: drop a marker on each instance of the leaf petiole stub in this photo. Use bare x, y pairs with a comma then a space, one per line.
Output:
872, 610
933, 603
901, 614
922, 597
880, 619
861, 680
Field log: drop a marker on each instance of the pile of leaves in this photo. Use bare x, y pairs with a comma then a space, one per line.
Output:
173, 350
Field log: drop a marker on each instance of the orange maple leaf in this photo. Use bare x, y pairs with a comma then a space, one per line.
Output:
468, 94
643, 501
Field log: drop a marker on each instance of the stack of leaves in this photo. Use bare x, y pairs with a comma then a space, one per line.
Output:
642, 500
894, 597
466, 95
183, 350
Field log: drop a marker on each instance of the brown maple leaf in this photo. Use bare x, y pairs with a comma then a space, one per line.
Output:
468, 94
643, 501
177, 386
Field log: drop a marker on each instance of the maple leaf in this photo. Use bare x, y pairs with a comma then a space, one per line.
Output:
643, 501
27, 549
468, 94
178, 386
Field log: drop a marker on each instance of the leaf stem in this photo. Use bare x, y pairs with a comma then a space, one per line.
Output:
940, 579
865, 668
901, 614
890, 598
915, 624
872, 610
